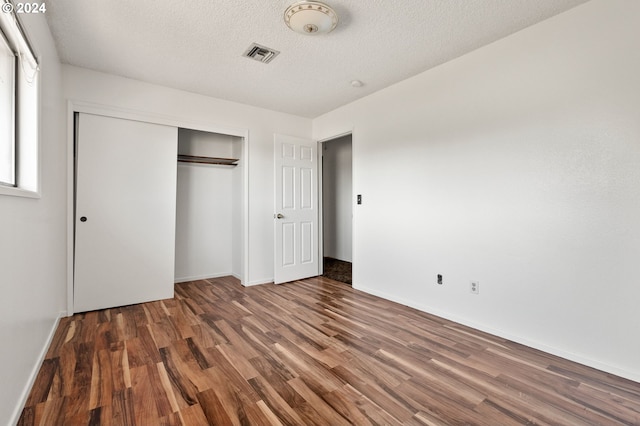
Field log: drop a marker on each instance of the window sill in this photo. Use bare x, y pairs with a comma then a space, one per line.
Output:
18, 192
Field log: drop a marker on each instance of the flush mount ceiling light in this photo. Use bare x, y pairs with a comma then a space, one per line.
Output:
310, 18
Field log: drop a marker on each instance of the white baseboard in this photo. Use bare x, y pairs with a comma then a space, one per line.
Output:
505, 335
259, 282
226, 274
15, 416
201, 277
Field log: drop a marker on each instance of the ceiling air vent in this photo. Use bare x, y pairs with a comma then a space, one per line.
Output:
260, 53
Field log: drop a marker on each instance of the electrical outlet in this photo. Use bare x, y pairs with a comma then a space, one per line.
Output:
439, 279
475, 287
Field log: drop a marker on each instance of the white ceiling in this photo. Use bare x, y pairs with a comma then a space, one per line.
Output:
196, 45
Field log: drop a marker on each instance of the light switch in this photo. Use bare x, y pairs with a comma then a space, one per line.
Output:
359, 199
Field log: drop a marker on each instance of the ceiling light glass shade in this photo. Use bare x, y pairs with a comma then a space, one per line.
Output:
310, 17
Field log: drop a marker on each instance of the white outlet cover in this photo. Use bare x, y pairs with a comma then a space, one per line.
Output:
475, 287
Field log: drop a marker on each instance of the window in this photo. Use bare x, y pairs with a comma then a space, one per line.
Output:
19, 120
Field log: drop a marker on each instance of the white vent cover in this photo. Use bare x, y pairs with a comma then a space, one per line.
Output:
260, 53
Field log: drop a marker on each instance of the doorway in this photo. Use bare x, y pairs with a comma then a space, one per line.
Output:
209, 206
337, 208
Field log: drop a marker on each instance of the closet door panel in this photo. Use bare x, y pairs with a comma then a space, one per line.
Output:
125, 212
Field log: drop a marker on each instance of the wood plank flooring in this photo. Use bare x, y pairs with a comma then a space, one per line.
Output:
312, 352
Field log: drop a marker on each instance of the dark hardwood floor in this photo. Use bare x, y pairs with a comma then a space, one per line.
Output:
312, 352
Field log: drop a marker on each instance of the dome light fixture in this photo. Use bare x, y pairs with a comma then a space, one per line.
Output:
310, 18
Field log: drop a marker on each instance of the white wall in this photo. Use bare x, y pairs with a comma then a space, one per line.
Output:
207, 201
516, 165
205, 144
89, 86
33, 243
337, 199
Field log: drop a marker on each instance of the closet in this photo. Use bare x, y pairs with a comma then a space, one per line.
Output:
208, 209
154, 204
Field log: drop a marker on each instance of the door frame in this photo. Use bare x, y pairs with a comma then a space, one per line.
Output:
74, 106
321, 201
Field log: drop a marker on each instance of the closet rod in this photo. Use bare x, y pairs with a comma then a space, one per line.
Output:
208, 160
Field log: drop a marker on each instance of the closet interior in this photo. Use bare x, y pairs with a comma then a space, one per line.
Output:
208, 205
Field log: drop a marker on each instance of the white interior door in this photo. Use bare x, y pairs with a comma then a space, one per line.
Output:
296, 215
125, 212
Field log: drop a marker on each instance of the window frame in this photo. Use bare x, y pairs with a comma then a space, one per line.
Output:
26, 110
13, 118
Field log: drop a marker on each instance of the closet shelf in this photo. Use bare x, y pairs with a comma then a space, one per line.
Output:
207, 160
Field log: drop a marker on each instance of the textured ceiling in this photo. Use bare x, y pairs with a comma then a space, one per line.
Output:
196, 45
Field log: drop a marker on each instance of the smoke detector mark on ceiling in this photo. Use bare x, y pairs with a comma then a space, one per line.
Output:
260, 53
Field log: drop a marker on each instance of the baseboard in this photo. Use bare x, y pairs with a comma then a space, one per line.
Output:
201, 277
226, 274
259, 282
505, 335
34, 372
337, 258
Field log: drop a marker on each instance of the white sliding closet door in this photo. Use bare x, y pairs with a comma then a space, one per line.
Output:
125, 212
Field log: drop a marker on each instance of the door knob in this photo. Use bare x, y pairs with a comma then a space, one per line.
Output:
279, 216
83, 219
